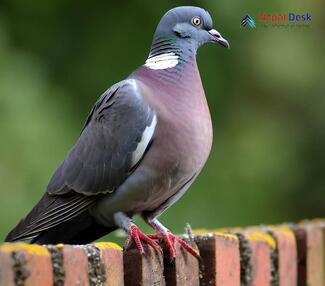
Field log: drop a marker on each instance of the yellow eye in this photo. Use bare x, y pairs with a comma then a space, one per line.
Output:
196, 21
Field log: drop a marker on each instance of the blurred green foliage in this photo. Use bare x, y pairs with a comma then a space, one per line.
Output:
266, 96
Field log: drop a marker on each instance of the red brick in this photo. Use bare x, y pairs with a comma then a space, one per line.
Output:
286, 250
75, 263
184, 270
310, 249
144, 270
112, 257
261, 245
6, 268
321, 223
220, 264
30, 260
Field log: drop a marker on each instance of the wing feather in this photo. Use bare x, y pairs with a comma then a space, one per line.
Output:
50, 212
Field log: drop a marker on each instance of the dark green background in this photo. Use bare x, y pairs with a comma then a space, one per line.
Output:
266, 96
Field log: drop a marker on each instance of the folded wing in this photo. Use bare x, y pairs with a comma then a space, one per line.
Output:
116, 135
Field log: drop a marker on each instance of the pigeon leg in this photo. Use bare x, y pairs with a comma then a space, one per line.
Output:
170, 239
124, 222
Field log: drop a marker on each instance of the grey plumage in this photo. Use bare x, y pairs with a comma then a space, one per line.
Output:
143, 144
102, 157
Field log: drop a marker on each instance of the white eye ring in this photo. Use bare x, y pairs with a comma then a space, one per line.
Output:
196, 21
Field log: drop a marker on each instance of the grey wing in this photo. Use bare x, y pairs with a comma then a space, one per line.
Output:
113, 141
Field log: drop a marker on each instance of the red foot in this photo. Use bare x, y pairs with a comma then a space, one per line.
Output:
137, 235
170, 240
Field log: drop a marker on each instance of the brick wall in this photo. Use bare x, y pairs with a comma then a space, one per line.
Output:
281, 255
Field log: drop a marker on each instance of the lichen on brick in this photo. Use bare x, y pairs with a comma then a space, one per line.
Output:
262, 235
96, 267
245, 260
19, 268
111, 245
57, 264
32, 249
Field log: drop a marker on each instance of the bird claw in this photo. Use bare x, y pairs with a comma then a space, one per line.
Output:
170, 240
137, 235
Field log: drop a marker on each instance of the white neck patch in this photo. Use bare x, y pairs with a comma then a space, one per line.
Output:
161, 62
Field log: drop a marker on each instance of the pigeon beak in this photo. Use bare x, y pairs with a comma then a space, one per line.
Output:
217, 38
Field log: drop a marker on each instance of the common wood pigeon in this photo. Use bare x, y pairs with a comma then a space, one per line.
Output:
142, 146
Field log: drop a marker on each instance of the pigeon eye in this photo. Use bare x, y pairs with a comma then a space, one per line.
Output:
196, 21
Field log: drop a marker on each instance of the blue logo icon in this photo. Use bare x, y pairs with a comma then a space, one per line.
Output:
248, 21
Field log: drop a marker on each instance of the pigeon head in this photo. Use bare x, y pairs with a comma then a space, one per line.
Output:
186, 27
